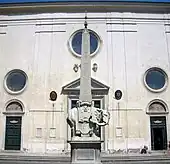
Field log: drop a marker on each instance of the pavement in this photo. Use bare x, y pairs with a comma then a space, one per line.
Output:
10, 157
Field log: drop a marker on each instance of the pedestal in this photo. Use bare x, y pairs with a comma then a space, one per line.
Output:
85, 152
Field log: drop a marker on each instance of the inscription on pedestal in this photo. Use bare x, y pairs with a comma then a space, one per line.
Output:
85, 154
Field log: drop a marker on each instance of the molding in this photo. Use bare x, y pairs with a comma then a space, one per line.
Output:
3, 29
50, 111
122, 26
94, 97
3, 25
99, 46
11, 92
14, 113
155, 68
147, 7
120, 23
157, 113
128, 109
49, 23
73, 88
32, 19
49, 31
120, 31
13, 101
50, 27
3, 33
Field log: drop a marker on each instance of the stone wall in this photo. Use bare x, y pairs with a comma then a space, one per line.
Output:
131, 43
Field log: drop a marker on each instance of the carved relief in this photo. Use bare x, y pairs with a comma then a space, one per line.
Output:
14, 107
157, 107
85, 119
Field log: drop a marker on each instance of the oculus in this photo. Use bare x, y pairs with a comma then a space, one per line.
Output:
75, 42
155, 79
15, 81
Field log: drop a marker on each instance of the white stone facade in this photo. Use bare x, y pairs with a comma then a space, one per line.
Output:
131, 43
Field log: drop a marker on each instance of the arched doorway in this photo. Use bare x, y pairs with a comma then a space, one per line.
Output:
14, 112
157, 111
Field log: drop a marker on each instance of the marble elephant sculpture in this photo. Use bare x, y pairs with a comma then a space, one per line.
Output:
86, 120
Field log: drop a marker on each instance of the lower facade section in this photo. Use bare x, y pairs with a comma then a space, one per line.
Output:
47, 132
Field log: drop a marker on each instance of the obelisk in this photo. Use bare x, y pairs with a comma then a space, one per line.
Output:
83, 119
85, 76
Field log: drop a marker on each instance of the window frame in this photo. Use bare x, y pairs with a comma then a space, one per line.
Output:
5, 82
155, 69
78, 55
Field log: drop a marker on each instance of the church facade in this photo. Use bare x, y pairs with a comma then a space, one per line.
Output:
40, 50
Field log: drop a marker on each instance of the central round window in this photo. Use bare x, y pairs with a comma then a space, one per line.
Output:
156, 79
75, 43
15, 81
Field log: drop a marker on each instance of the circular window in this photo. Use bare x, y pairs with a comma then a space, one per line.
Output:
75, 43
15, 81
155, 79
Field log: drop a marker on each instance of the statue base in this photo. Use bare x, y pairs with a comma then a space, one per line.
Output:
85, 152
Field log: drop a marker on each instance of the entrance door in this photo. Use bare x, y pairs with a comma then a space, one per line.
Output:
13, 133
158, 133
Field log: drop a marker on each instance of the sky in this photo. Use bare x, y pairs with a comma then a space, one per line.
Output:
26, 1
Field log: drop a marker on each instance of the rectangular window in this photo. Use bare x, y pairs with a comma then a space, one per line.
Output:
97, 103
52, 132
39, 132
73, 103
118, 131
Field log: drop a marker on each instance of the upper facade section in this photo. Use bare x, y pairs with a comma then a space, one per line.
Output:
98, 1
53, 6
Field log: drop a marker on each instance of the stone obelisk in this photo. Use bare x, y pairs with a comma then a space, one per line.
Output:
85, 76
83, 119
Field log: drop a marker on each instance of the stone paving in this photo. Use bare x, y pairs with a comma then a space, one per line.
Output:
23, 157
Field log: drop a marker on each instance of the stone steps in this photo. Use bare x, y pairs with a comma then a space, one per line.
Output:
66, 160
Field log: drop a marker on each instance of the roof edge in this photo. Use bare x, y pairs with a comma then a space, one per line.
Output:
51, 7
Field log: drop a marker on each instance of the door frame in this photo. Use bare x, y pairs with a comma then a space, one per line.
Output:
4, 130
20, 117
15, 114
165, 126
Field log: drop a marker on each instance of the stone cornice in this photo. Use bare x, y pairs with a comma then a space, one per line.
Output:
139, 7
